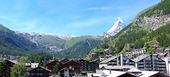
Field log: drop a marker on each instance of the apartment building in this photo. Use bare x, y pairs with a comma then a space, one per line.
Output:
147, 62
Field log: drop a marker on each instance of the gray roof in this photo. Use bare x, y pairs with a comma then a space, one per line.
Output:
118, 67
109, 59
167, 49
139, 58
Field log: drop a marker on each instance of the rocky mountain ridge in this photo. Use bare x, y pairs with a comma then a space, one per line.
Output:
153, 22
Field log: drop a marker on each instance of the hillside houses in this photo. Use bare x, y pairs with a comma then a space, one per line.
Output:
135, 52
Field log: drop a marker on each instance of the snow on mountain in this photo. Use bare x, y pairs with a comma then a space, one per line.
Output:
64, 37
117, 27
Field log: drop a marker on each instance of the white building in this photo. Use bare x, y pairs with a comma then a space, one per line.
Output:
167, 60
133, 72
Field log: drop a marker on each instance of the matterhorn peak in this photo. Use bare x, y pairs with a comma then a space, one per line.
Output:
117, 27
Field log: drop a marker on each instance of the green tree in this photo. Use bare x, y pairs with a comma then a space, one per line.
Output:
55, 69
2, 69
18, 70
23, 59
40, 57
151, 46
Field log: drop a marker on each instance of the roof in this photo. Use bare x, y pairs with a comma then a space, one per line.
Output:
113, 73
108, 73
134, 70
12, 61
139, 58
109, 59
71, 61
118, 67
148, 73
167, 49
41, 68
64, 60
53, 62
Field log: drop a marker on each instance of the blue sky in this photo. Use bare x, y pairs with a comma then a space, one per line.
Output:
68, 17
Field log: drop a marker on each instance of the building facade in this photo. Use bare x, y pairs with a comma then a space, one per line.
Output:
150, 63
117, 63
88, 66
39, 72
70, 68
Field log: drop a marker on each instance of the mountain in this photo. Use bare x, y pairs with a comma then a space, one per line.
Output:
78, 47
116, 28
58, 43
11, 43
20, 43
49, 42
150, 29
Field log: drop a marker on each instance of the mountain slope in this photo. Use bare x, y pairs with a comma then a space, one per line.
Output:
79, 49
10, 43
150, 29
64, 46
52, 43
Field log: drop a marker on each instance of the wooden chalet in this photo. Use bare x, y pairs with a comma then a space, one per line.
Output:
39, 72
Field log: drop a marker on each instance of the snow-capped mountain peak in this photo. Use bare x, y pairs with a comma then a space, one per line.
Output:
117, 27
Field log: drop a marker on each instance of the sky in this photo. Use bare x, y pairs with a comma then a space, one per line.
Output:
68, 17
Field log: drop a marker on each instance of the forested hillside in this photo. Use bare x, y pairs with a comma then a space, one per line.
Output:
150, 29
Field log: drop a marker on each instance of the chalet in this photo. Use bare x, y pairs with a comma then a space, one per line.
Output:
149, 62
70, 68
39, 72
8, 66
88, 66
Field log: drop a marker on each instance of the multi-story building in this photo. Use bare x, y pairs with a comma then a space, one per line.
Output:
149, 62
120, 62
88, 66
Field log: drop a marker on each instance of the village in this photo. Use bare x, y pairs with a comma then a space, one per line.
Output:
143, 65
